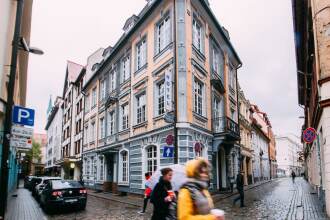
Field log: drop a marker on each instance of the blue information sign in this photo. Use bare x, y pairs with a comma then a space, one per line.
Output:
168, 151
23, 116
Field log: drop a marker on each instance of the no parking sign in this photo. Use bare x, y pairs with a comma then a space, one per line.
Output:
309, 135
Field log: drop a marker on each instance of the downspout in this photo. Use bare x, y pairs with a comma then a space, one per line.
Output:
238, 120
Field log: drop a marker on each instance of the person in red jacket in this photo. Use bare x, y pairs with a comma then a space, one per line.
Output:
147, 193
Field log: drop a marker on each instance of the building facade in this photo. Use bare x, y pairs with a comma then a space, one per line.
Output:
72, 122
54, 138
260, 144
246, 138
272, 151
7, 24
37, 166
288, 148
174, 59
312, 40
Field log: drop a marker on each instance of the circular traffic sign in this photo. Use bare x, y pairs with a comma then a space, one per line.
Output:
309, 135
169, 139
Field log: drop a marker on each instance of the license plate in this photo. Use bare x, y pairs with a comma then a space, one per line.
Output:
71, 200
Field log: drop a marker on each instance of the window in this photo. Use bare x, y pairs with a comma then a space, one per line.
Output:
87, 105
112, 80
102, 90
161, 98
125, 69
141, 108
94, 167
232, 78
124, 116
200, 150
94, 98
197, 34
88, 166
163, 34
217, 61
151, 159
86, 135
123, 169
102, 128
92, 130
198, 95
111, 123
101, 172
141, 54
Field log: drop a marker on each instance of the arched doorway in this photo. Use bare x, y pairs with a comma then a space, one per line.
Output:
222, 169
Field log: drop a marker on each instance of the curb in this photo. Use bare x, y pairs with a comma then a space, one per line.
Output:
139, 205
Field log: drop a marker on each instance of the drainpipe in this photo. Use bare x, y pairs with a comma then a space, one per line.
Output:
238, 120
175, 130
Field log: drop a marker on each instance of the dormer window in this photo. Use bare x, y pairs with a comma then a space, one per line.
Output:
130, 22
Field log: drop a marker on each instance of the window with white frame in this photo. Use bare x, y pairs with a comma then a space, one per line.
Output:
217, 114
111, 123
232, 78
94, 167
160, 98
141, 54
198, 96
86, 135
102, 128
101, 169
112, 80
141, 108
102, 90
200, 150
217, 60
125, 69
163, 34
92, 132
123, 166
93, 97
151, 158
197, 34
124, 116
87, 103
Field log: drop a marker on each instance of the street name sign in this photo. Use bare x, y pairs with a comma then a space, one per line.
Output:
309, 135
22, 131
23, 116
168, 151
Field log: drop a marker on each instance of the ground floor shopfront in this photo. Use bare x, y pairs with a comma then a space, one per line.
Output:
120, 167
69, 168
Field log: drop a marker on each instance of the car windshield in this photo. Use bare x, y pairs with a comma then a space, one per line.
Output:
38, 180
64, 184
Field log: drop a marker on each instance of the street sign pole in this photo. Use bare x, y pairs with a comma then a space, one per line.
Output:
8, 114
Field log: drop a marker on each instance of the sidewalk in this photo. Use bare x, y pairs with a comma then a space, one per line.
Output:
23, 206
136, 200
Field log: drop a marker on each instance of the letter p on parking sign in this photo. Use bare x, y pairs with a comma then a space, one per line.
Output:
23, 116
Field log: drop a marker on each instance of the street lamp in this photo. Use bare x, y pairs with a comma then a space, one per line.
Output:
18, 43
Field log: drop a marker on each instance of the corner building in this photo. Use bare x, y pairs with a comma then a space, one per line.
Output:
174, 59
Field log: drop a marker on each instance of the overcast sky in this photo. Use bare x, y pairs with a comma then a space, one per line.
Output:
261, 32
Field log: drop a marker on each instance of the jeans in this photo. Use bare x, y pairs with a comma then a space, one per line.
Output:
240, 197
145, 202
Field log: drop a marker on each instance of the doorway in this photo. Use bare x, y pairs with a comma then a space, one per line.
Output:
222, 169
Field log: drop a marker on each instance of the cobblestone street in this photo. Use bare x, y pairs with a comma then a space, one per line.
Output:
279, 199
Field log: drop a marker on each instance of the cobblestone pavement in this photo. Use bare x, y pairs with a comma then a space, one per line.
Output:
279, 199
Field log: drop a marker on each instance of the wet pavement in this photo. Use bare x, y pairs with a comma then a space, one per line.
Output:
279, 199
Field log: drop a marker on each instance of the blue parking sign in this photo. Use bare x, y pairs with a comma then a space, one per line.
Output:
23, 116
168, 151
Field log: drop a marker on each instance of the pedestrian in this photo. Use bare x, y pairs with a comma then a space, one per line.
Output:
147, 193
194, 200
240, 188
293, 175
162, 196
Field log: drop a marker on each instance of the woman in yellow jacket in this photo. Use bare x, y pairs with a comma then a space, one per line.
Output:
194, 201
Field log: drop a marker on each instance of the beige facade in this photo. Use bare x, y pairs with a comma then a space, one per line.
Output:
161, 66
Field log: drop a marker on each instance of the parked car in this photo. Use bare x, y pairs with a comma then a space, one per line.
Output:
44, 181
34, 181
63, 193
27, 181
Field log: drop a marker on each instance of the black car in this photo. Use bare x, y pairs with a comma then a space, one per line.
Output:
27, 181
63, 193
33, 183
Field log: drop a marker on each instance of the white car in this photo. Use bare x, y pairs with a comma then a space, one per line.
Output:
44, 181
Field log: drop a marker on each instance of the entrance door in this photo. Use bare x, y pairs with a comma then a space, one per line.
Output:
222, 169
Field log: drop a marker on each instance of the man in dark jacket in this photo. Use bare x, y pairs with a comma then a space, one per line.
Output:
240, 188
162, 195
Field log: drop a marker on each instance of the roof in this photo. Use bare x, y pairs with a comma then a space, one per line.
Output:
145, 12
73, 70
129, 21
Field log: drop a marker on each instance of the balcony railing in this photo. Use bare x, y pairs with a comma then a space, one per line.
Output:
225, 125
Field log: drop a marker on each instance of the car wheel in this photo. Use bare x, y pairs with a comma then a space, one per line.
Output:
82, 207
